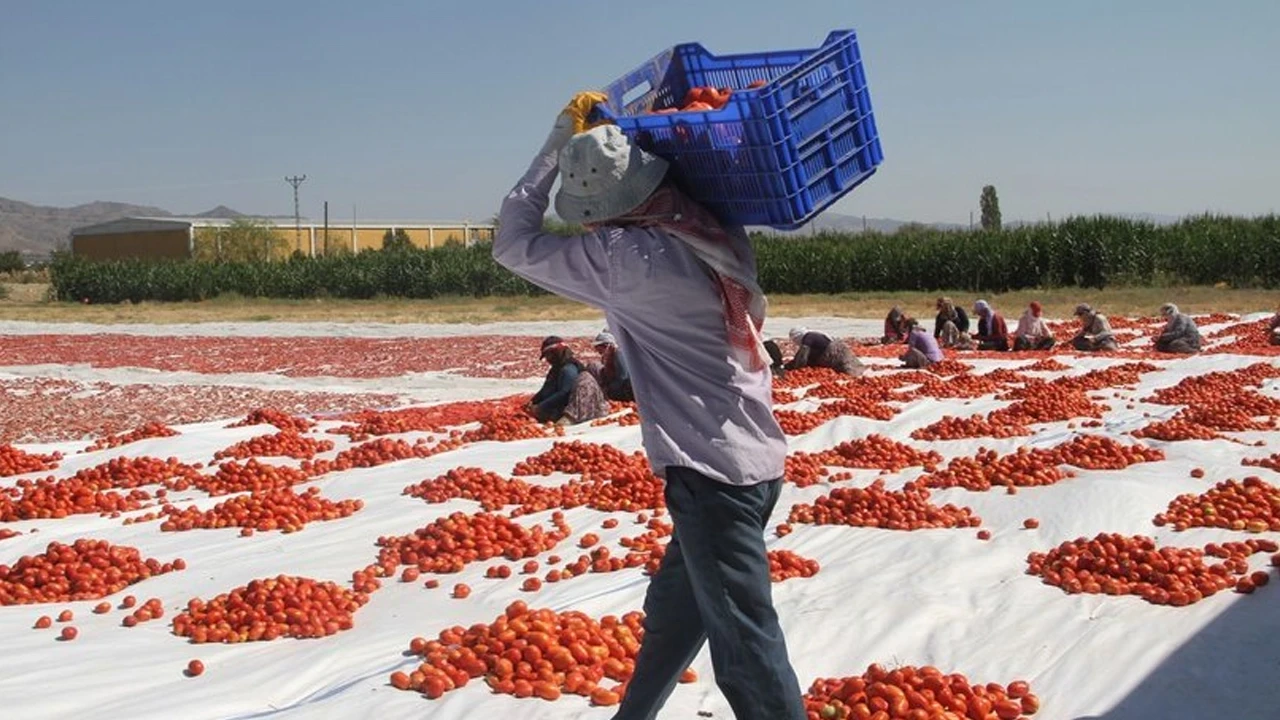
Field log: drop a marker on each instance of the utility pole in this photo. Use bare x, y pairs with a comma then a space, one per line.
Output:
295, 181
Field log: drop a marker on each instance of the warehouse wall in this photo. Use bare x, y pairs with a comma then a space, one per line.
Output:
171, 244
206, 242
434, 238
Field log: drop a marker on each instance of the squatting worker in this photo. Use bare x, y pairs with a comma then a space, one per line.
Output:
679, 290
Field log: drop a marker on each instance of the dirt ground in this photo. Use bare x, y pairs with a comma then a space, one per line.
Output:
28, 302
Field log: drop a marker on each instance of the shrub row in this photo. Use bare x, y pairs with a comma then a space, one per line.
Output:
1081, 252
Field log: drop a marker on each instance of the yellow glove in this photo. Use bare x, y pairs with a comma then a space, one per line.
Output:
581, 106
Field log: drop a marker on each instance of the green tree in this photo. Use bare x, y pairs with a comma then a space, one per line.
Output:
244, 240
11, 262
990, 204
396, 241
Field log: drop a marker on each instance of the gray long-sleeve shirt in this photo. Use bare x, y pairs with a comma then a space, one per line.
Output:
699, 406
1181, 327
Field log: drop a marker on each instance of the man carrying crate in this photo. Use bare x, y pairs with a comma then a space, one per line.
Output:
680, 292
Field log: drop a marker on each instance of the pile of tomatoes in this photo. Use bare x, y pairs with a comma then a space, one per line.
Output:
632, 491
590, 460
84, 570
949, 366
434, 418
874, 506
149, 430
1099, 452
16, 462
955, 428
451, 543
286, 443
532, 653
798, 422
1210, 387
126, 473
1271, 461
911, 692
270, 608
784, 565
878, 387
1115, 564
1175, 429
49, 498
1251, 506
807, 376
803, 469
1046, 365
251, 476
1047, 407
490, 489
963, 385
988, 469
879, 452
280, 419
506, 427
379, 452
1246, 337
283, 510
705, 98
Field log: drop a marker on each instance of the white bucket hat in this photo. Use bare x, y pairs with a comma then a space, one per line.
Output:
603, 176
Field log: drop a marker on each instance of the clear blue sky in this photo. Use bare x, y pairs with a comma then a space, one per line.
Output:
431, 109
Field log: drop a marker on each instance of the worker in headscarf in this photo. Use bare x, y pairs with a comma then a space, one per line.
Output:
1033, 332
993, 332
568, 395
922, 348
895, 327
1180, 334
612, 369
1095, 331
951, 326
815, 349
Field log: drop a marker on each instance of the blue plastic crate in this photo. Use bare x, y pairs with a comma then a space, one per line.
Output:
776, 155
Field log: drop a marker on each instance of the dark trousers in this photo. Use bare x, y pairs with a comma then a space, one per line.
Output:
1023, 343
1180, 346
915, 359
998, 344
713, 586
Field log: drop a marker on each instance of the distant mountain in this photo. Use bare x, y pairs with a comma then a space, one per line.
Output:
38, 230
222, 212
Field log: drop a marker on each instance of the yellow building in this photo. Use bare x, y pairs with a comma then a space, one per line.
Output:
176, 238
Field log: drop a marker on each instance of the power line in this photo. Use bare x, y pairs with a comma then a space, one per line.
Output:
295, 181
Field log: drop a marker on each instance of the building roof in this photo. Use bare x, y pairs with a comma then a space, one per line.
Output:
132, 225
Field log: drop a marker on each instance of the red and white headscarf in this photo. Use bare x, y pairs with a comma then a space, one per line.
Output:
734, 272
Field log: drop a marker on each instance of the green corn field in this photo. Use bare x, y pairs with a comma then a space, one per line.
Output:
1092, 252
